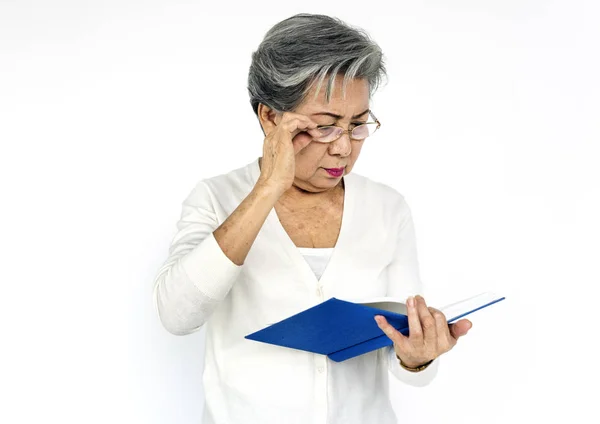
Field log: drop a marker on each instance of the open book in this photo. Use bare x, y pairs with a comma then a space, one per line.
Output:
342, 329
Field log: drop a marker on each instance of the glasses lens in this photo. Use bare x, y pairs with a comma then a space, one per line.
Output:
363, 131
328, 134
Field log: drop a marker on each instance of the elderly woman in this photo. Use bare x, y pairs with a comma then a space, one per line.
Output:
294, 228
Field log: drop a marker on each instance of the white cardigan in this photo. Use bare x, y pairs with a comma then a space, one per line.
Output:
250, 382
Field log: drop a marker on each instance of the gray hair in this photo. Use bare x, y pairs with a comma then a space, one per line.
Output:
300, 51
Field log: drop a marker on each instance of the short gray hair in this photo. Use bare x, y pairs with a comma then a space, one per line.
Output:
301, 50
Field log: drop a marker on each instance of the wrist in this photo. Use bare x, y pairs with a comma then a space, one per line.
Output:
414, 367
268, 190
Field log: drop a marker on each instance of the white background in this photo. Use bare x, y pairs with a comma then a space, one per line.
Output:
111, 111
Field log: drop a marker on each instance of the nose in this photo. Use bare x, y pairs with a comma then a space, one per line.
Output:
342, 146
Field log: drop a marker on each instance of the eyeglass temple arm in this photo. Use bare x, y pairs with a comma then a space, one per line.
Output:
375, 118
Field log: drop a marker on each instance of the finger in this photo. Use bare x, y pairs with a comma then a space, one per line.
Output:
297, 126
444, 340
427, 322
393, 334
293, 124
460, 328
415, 331
298, 123
290, 116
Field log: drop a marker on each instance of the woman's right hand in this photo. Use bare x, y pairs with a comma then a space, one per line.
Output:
291, 134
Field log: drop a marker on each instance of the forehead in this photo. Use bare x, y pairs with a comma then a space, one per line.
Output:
356, 98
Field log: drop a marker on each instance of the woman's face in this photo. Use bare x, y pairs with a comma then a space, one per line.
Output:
312, 161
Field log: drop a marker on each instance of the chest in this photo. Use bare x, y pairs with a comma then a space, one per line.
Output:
313, 227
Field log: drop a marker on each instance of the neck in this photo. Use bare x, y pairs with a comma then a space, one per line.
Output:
296, 194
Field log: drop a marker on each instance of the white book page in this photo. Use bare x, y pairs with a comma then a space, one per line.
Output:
452, 311
387, 304
456, 310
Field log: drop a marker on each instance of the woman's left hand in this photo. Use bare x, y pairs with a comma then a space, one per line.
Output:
430, 335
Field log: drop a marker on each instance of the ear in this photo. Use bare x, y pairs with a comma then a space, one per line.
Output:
268, 118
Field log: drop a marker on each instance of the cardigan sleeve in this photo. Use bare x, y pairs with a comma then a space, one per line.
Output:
196, 275
403, 281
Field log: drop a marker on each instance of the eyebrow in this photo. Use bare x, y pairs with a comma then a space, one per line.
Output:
333, 115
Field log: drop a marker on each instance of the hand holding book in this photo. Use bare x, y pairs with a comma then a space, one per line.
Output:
430, 335
344, 329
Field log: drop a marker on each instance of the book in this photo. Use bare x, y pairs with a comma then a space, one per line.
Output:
343, 329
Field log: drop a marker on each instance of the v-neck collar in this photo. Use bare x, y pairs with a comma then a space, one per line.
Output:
293, 251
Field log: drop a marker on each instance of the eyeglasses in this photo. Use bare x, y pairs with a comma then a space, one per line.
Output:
330, 133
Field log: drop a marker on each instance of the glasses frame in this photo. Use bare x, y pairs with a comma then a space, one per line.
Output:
350, 131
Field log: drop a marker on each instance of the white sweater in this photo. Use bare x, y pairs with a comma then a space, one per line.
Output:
247, 382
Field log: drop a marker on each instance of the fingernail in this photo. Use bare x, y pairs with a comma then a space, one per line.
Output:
411, 302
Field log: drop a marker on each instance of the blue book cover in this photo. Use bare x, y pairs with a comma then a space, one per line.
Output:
343, 329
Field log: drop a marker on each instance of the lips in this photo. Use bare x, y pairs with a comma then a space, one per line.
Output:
335, 172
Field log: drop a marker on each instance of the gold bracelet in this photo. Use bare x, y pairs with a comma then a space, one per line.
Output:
416, 369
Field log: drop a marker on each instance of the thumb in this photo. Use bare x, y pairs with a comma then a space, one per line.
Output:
460, 328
